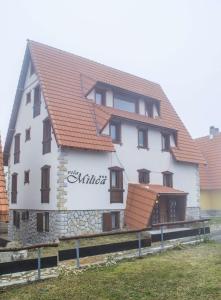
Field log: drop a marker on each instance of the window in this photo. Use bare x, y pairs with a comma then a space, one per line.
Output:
43, 222
17, 148
149, 109
14, 185
142, 138
123, 103
16, 219
115, 132
28, 98
111, 221
45, 184
144, 176
28, 134
116, 185
165, 142
32, 69
37, 102
46, 136
168, 179
25, 215
100, 97
26, 177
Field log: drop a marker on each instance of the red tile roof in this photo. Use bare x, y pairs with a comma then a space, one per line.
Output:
141, 199
3, 194
66, 78
210, 174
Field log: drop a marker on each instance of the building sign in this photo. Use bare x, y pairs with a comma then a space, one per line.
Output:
78, 177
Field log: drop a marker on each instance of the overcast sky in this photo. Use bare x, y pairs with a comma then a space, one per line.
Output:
175, 43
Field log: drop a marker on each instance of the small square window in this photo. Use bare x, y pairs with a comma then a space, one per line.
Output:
144, 176
26, 177
28, 134
28, 98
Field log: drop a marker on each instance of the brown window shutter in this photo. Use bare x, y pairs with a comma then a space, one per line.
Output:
46, 136
45, 184
107, 225
37, 102
47, 221
14, 188
17, 148
39, 222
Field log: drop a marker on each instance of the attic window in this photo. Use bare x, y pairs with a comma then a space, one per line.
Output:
125, 103
100, 97
37, 101
28, 134
115, 132
28, 98
149, 109
32, 69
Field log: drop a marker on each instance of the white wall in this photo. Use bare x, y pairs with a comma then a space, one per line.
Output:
31, 158
128, 156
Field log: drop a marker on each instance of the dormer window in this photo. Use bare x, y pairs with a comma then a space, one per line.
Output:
149, 109
165, 142
100, 97
125, 103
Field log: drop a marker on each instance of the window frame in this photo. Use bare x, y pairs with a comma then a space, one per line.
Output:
37, 101
28, 134
118, 190
103, 96
107, 221
43, 222
166, 182
27, 178
16, 219
28, 98
47, 136
45, 190
117, 124
142, 173
14, 188
166, 143
17, 148
149, 109
126, 99
145, 136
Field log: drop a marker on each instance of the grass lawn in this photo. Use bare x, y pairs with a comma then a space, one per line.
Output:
191, 273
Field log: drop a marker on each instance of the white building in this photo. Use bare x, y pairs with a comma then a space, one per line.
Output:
79, 133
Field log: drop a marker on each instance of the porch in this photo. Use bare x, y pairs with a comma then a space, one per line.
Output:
153, 204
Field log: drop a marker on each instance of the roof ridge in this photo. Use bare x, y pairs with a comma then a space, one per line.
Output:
96, 62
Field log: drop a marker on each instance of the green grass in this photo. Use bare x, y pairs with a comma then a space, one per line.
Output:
187, 274
215, 221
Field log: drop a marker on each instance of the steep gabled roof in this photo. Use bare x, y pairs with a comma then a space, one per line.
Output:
210, 174
66, 78
3, 194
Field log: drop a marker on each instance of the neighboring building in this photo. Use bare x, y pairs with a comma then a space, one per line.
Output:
3, 195
210, 174
79, 133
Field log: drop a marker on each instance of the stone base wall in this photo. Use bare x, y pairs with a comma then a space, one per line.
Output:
210, 213
192, 213
61, 223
